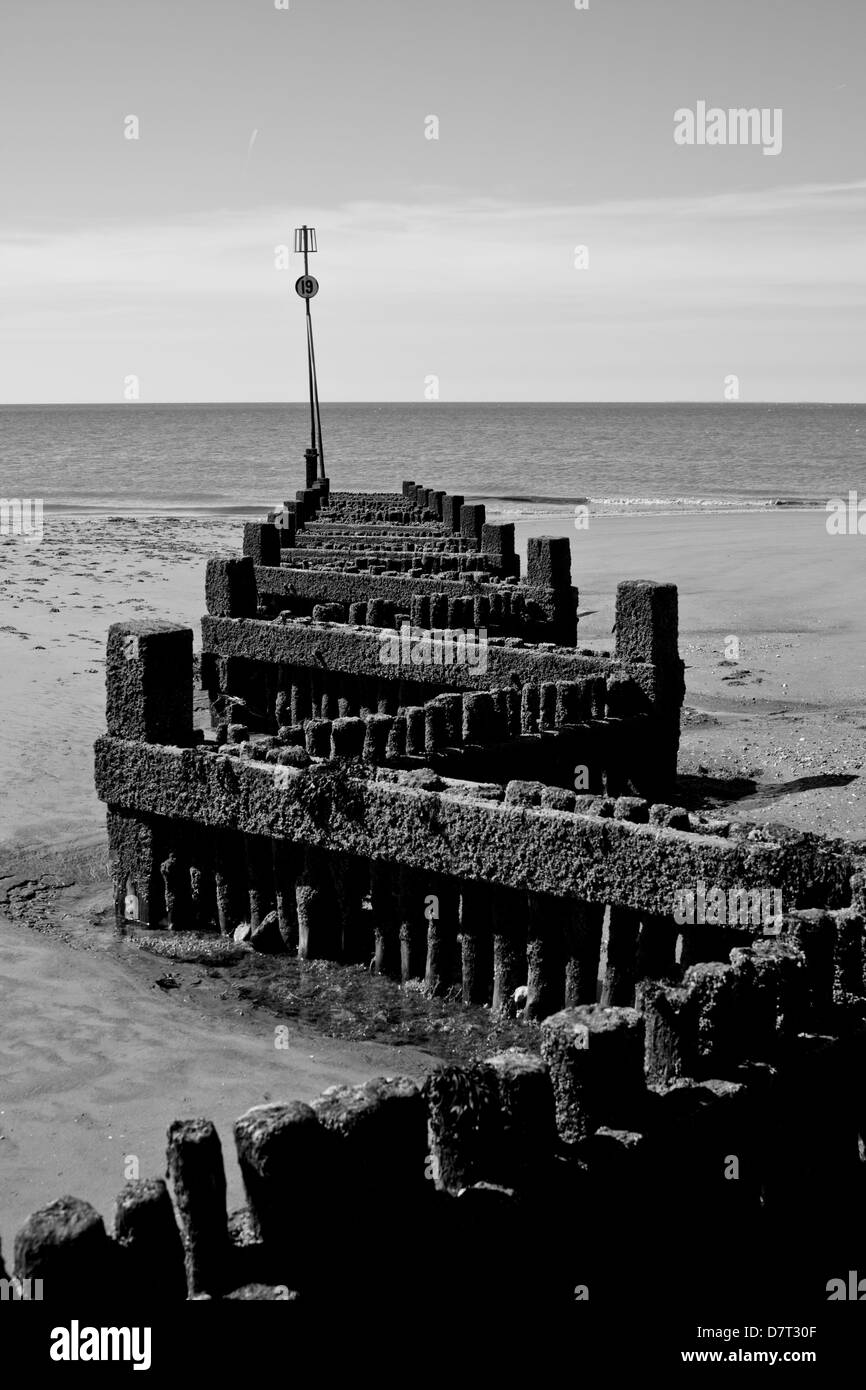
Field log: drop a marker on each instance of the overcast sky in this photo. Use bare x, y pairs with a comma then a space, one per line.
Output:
452, 257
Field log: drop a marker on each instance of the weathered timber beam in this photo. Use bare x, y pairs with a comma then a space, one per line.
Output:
451, 831
343, 648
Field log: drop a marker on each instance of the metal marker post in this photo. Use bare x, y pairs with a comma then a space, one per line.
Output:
306, 286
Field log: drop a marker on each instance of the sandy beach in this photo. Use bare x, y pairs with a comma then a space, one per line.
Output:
99, 1059
782, 727
566, 911
773, 580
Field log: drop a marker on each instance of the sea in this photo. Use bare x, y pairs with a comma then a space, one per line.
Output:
524, 459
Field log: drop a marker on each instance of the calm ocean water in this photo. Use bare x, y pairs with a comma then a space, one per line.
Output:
212, 458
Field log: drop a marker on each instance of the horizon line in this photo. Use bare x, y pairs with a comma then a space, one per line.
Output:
127, 405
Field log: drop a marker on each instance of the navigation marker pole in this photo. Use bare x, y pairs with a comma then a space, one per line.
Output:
306, 286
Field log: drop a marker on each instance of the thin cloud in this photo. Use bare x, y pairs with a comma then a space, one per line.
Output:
474, 245
678, 292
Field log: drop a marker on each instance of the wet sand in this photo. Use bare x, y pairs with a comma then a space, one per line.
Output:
98, 1060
